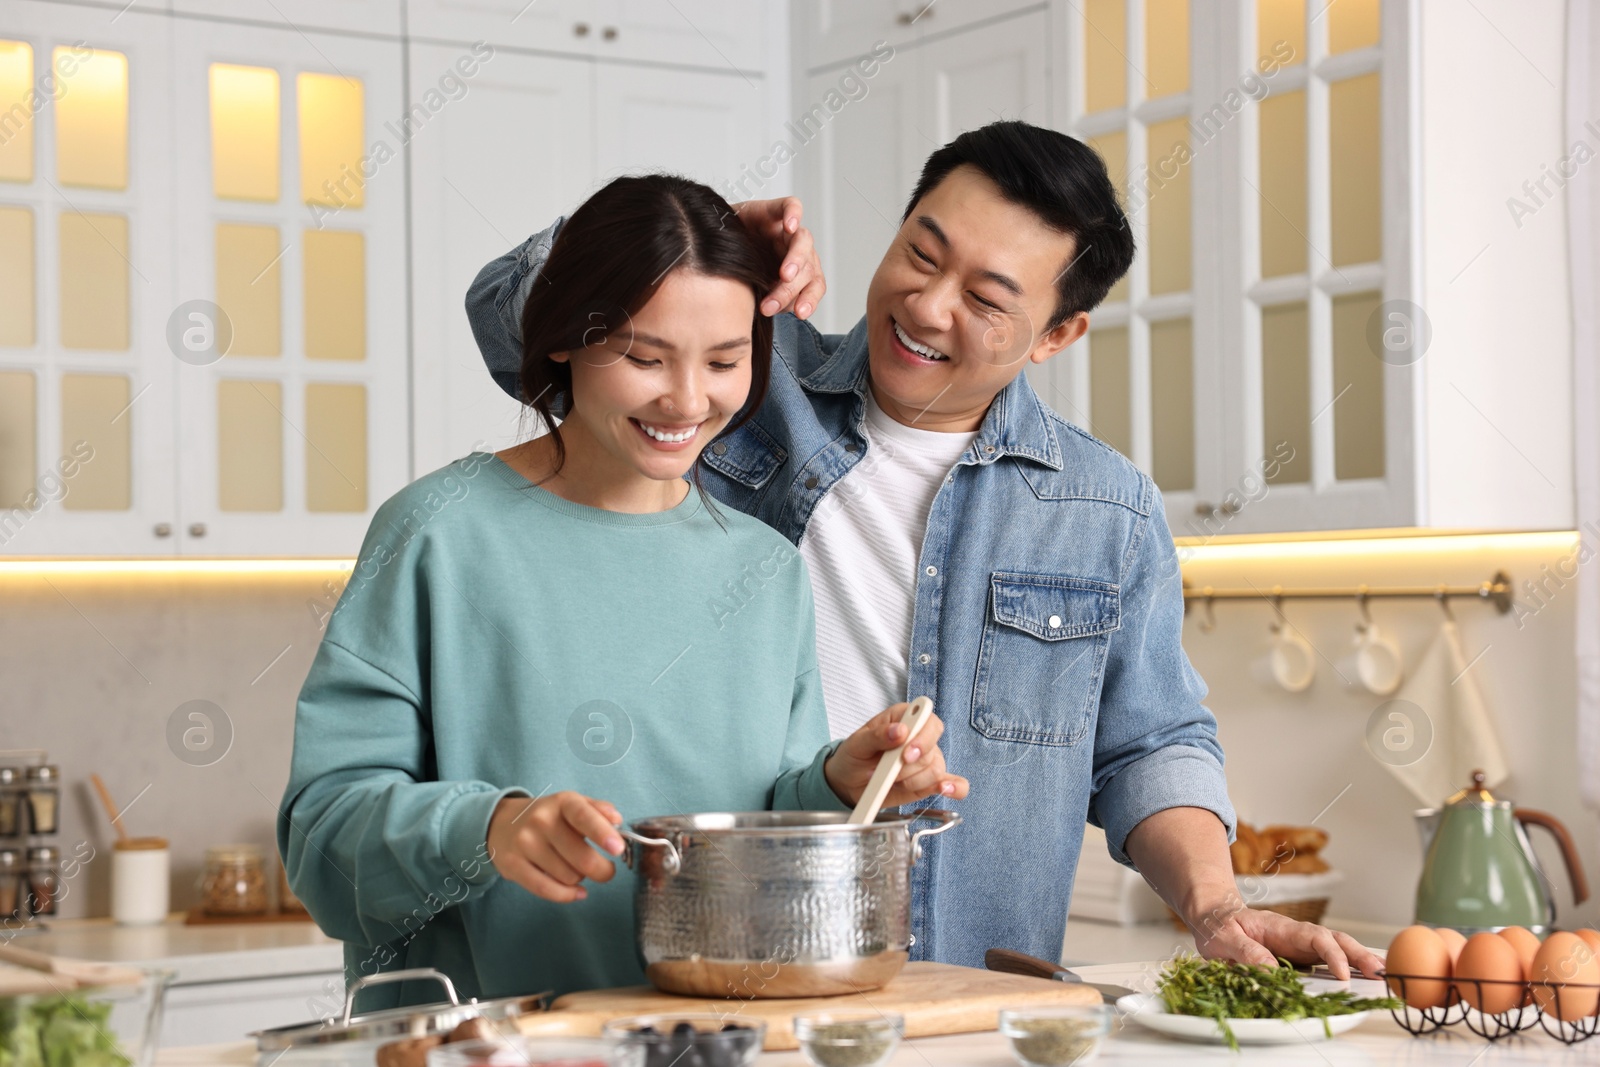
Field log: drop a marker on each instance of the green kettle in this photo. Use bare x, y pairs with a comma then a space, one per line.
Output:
1480, 872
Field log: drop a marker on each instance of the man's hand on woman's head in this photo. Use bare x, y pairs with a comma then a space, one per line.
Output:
922, 774
542, 843
800, 285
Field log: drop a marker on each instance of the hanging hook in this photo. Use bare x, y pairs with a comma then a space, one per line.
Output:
1277, 607
1362, 596
1444, 603
1209, 621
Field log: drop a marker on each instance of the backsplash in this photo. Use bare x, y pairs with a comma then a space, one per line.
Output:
97, 666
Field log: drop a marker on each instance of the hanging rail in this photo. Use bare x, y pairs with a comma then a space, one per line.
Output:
1496, 591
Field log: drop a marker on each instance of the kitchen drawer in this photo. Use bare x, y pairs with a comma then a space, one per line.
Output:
209, 1013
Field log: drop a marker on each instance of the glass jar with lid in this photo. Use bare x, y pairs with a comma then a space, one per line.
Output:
44, 797
234, 881
10, 802
13, 884
44, 880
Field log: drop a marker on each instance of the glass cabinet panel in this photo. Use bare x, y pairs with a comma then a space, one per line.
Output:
244, 132
91, 106
1166, 48
1110, 394
1278, 23
249, 289
1169, 208
1286, 389
16, 112
1355, 155
331, 114
1172, 404
1283, 184
336, 447
19, 426
1352, 24
335, 295
1105, 63
93, 281
1113, 148
249, 446
1358, 439
94, 409
16, 277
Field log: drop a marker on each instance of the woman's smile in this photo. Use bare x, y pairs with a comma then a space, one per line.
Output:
666, 437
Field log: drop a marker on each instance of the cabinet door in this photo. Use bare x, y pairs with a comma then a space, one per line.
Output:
293, 423
488, 170
704, 126
86, 377
828, 32
380, 17
716, 34
567, 26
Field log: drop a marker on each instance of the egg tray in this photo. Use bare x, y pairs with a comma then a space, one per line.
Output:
1456, 1012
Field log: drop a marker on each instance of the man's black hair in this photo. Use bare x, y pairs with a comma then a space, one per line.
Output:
1061, 180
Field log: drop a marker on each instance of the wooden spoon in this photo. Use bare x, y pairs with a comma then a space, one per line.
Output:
111, 808
916, 717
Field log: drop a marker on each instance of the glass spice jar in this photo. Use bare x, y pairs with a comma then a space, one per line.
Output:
10, 802
13, 884
44, 880
234, 881
44, 797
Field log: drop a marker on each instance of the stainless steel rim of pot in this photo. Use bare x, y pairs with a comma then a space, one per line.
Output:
673, 832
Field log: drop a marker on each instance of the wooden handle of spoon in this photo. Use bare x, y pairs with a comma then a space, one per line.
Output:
110, 806
916, 717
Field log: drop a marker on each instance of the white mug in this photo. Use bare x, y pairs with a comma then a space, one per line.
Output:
1289, 662
140, 880
1373, 663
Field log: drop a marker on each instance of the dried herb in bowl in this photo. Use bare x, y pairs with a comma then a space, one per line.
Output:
1224, 990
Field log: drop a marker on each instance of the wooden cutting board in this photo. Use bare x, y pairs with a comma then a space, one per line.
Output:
935, 998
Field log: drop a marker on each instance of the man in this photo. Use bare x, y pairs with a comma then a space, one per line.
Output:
967, 543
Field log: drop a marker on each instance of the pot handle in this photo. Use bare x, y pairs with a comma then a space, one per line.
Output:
414, 973
946, 820
674, 860
1569, 851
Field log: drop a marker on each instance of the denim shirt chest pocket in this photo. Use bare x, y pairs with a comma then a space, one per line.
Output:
748, 457
1045, 636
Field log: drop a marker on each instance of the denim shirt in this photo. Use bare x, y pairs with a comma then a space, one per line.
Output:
1047, 626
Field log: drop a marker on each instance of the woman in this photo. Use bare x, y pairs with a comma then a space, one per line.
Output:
537, 642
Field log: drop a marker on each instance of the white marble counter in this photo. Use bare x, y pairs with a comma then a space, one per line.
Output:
220, 953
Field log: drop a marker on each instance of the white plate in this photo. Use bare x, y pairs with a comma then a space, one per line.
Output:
1150, 1011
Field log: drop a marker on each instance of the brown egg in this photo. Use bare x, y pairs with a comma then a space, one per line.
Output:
1562, 968
1453, 942
1527, 945
1493, 961
1419, 954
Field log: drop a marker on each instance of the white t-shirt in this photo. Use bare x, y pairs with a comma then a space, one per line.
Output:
862, 545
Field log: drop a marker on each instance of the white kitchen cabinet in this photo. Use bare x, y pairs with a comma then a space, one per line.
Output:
289, 442
381, 17
87, 420
570, 27
703, 126
215, 1013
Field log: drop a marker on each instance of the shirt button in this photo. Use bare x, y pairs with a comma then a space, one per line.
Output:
720, 449
1055, 622
851, 446
811, 482
931, 571
924, 659
988, 448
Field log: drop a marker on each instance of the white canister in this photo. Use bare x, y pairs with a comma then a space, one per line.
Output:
140, 880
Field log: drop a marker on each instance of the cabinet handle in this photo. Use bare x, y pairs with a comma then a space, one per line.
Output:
197, 529
609, 33
906, 18
1231, 507
163, 529
580, 29
1204, 509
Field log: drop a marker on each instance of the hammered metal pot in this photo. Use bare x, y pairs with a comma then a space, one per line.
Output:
775, 903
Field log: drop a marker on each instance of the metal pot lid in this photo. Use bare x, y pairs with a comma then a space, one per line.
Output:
417, 1020
1476, 793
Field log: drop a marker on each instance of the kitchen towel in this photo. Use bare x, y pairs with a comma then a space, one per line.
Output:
1448, 720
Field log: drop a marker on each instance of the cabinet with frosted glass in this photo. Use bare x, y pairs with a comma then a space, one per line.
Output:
194, 355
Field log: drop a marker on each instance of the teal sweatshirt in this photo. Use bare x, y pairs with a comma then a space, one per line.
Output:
497, 640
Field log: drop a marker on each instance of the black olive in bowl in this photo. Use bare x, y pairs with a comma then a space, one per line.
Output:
708, 1040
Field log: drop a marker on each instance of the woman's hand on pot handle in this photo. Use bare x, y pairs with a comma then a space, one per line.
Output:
542, 843
800, 282
922, 774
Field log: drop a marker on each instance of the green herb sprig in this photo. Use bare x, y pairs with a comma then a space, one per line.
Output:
1224, 990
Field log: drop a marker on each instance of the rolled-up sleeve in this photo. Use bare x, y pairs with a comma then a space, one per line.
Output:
494, 305
1155, 741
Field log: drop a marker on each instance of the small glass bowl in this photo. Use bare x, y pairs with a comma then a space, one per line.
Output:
719, 1040
849, 1039
1056, 1037
533, 1051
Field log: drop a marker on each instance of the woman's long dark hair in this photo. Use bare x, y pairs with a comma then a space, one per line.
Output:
608, 261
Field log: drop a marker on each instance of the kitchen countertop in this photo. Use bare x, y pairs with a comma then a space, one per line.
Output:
1377, 1042
210, 953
